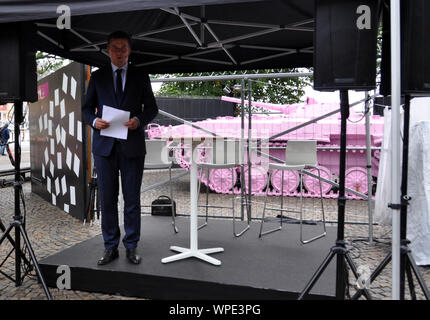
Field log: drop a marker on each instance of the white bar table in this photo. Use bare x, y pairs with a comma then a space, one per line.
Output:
193, 250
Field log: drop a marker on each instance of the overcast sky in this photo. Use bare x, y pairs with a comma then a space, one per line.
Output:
332, 96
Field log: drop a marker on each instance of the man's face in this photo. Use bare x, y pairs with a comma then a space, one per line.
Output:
118, 51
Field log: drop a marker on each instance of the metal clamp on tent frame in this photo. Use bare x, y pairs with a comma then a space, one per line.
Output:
394, 206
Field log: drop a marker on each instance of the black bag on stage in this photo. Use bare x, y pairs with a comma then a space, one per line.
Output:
162, 206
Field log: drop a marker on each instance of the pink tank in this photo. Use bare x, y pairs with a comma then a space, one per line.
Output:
326, 132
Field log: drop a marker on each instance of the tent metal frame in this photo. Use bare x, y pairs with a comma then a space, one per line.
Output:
188, 21
395, 151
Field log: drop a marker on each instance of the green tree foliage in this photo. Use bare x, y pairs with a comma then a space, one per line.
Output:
275, 90
47, 63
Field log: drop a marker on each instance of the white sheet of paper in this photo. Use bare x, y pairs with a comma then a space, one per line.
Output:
56, 96
57, 186
50, 127
116, 119
52, 146
72, 123
59, 161
65, 78
51, 109
63, 137
66, 208
73, 87
40, 124
46, 156
54, 200
45, 121
64, 185
69, 159
76, 164
72, 195
51, 168
62, 109
58, 134
43, 171
48, 184
79, 130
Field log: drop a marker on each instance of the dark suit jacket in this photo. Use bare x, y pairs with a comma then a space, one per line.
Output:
137, 98
4, 135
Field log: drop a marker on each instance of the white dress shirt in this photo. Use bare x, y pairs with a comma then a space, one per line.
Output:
124, 78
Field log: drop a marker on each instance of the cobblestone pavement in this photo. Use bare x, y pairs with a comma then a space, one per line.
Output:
51, 230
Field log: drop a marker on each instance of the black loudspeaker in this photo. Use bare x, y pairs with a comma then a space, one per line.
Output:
18, 72
345, 44
415, 49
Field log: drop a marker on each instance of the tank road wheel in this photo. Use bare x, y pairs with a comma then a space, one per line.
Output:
221, 179
291, 181
258, 179
203, 156
183, 155
356, 179
312, 184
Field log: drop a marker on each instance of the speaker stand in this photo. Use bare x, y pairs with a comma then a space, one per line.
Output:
407, 262
12, 242
18, 225
339, 250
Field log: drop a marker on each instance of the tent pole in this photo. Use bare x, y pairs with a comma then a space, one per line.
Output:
249, 148
369, 168
242, 154
395, 151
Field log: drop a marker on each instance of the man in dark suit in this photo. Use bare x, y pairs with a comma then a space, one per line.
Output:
120, 86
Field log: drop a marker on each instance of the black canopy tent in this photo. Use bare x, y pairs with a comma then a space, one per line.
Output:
190, 36
177, 36
168, 37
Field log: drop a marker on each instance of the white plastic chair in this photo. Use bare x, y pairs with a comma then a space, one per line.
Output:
223, 154
157, 157
299, 155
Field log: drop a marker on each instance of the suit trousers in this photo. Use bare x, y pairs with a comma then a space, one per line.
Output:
108, 169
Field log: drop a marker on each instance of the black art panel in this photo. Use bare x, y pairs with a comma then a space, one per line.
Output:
57, 138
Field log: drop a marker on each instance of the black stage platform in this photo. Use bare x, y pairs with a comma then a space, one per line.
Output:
275, 267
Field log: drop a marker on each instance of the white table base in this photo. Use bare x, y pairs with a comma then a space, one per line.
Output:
193, 251
189, 253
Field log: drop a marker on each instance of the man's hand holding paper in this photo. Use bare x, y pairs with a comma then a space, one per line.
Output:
101, 124
116, 120
132, 124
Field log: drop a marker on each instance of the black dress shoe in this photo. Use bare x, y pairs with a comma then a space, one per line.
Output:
108, 256
132, 256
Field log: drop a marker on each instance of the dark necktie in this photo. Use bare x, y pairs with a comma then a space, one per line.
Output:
119, 84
